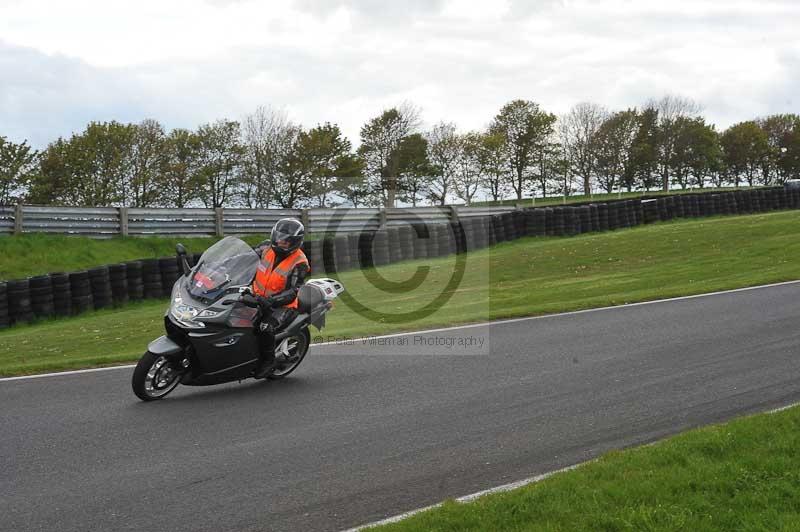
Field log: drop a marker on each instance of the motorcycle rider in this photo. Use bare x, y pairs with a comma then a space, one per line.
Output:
282, 270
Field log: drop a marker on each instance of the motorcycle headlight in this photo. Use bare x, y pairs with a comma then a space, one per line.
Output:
185, 314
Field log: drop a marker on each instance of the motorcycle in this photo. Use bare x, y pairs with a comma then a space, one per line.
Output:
210, 329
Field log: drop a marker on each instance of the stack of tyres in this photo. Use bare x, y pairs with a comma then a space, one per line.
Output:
613, 216
585, 218
767, 200
343, 257
497, 228
19, 301
479, 229
420, 234
661, 206
549, 222
459, 242
535, 222
118, 278
151, 278
4, 321
679, 205
594, 218
558, 221
380, 248
780, 198
624, 214
795, 193
101, 286
509, 227
722, 204
169, 274
602, 217
569, 222
432, 242
686, 205
446, 245
133, 274
352, 247
701, 205
81, 291
518, 217
313, 252
406, 242
41, 289
760, 201
463, 240
488, 226
62, 294
393, 236
696, 210
650, 210
465, 236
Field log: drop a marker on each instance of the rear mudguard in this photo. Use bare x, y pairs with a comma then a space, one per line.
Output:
165, 346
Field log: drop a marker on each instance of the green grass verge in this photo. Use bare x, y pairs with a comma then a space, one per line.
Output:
580, 198
741, 475
529, 276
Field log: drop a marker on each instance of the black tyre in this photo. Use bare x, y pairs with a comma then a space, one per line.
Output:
297, 347
154, 377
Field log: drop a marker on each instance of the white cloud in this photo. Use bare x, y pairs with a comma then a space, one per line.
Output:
185, 62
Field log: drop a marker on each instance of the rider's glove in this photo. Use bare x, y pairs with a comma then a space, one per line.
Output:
250, 300
266, 303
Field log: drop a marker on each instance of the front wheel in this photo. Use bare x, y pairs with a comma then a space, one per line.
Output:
154, 377
289, 353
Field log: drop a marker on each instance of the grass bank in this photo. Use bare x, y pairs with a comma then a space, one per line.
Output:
741, 475
526, 277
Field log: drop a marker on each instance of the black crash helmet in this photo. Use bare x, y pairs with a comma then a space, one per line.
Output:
290, 230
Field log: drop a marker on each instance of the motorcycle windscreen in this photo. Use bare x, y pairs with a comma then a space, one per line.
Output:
229, 262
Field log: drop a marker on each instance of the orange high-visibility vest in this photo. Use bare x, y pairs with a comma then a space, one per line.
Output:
271, 280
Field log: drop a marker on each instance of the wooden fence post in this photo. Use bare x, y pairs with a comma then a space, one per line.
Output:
219, 222
123, 221
19, 217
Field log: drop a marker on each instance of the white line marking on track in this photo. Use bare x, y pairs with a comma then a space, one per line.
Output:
471, 497
510, 486
457, 327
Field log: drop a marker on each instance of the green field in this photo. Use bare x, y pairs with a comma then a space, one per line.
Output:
526, 277
741, 475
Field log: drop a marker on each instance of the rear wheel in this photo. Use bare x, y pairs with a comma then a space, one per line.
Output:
154, 377
289, 354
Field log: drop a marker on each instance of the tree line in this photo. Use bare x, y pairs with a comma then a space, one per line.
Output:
267, 160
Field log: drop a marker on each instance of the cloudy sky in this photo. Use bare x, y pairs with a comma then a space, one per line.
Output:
185, 62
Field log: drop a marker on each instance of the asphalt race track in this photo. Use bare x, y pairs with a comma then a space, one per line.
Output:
365, 432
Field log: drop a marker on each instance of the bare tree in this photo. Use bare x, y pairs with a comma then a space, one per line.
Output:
267, 140
380, 137
670, 109
444, 150
576, 130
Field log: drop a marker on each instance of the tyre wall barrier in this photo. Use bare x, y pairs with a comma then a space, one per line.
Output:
4, 320
62, 294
